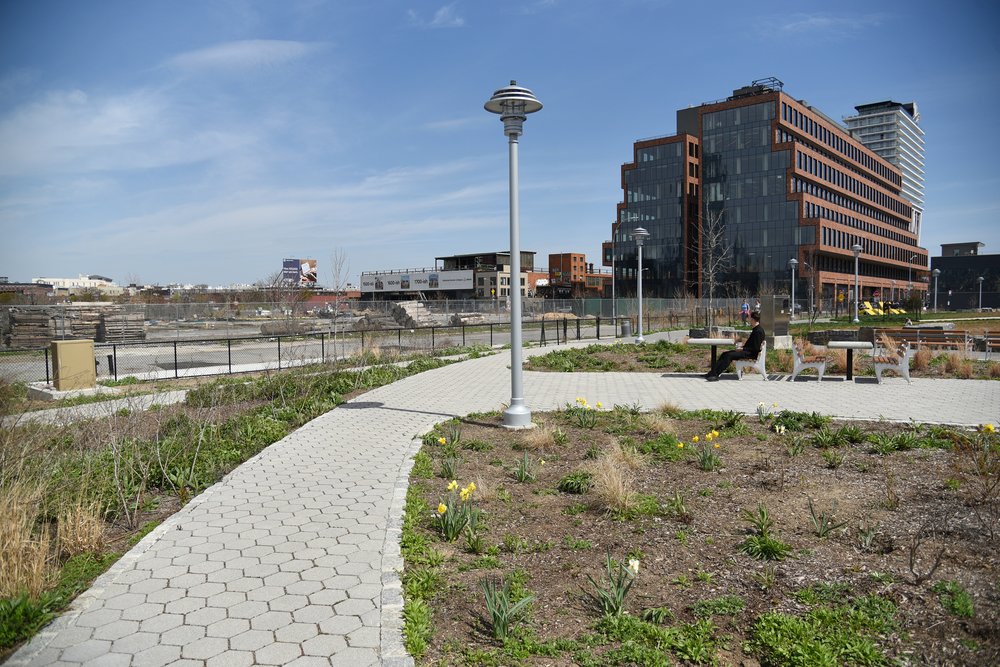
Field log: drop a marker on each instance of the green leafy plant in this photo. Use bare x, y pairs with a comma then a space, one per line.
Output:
726, 605
579, 481
834, 459
449, 467
708, 456
761, 545
610, 595
503, 608
823, 523
954, 598
524, 471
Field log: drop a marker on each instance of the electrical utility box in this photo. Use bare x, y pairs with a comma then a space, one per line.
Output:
73, 365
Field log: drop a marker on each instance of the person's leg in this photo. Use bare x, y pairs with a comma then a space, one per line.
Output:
723, 362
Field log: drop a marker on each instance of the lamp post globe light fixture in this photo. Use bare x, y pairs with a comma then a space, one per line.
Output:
514, 103
792, 263
935, 273
980, 279
857, 293
640, 235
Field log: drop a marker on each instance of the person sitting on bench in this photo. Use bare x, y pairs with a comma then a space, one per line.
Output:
751, 349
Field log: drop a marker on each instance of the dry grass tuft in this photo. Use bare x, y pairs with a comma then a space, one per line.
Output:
965, 370
626, 457
838, 359
670, 409
654, 423
993, 370
541, 438
783, 361
954, 362
922, 359
613, 484
24, 555
80, 530
486, 489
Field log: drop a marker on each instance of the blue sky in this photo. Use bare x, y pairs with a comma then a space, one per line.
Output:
202, 141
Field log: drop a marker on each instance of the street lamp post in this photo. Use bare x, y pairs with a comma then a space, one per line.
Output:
893, 298
909, 277
793, 263
980, 279
614, 307
857, 294
935, 273
514, 103
640, 235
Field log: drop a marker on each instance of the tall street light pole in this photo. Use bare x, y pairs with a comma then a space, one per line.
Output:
857, 293
514, 103
980, 279
793, 263
935, 273
614, 251
640, 235
909, 277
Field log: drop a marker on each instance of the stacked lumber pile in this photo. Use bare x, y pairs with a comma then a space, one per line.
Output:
27, 328
118, 326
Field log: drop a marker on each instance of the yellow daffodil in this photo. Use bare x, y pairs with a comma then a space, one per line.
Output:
633, 566
988, 428
715, 433
680, 445
472, 486
453, 485
541, 462
716, 445
708, 436
599, 405
442, 508
442, 441
695, 439
774, 405
464, 494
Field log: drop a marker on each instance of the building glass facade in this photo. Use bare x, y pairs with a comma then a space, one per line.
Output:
752, 182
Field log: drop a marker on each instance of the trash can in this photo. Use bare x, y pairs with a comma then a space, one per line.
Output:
626, 328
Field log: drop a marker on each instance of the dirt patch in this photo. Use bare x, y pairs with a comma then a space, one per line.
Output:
899, 512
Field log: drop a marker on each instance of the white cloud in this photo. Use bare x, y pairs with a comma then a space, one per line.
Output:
74, 131
826, 24
247, 54
444, 17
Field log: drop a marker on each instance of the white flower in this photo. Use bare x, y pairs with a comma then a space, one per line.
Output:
633, 566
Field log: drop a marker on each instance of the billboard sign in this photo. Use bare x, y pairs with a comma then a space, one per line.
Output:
301, 272
416, 281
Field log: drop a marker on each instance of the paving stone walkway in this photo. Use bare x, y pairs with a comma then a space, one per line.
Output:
292, 559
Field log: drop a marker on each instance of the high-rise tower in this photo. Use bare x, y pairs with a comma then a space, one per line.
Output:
892, 131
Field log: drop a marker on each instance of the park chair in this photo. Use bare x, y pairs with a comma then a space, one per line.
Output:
892, 357
756, 364
802, 361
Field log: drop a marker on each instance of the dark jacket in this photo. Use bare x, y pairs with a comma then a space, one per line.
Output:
754, 342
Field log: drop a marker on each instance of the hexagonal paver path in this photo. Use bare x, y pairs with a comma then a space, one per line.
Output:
292, 558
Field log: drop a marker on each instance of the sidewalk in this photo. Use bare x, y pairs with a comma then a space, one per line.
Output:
292, 559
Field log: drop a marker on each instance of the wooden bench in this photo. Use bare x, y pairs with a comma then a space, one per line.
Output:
992, 343
931, 338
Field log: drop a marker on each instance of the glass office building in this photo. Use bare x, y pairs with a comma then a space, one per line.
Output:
749, 183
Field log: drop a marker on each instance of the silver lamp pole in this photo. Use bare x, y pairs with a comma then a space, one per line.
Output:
935, 273
980, 279
793, 263
614, 307
640, 235
514, 103
857, 293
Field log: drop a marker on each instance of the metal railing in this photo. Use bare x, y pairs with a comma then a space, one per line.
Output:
219, 356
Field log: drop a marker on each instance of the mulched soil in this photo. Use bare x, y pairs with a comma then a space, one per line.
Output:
558, 538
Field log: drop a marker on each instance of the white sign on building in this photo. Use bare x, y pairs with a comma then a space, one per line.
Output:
418, 281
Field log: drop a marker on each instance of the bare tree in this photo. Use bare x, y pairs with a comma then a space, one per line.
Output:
285, 296
340, 269
716, 254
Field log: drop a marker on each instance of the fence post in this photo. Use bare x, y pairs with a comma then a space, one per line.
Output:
491, 336
432, 339
322, 348
598, 327
578, 329
399, 340
229, 354
362, 341
176, 374
114, 356
541, 340
279, 352
463, 335
566, 330
47, 380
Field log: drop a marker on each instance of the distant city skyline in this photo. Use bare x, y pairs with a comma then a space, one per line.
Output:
239, 133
